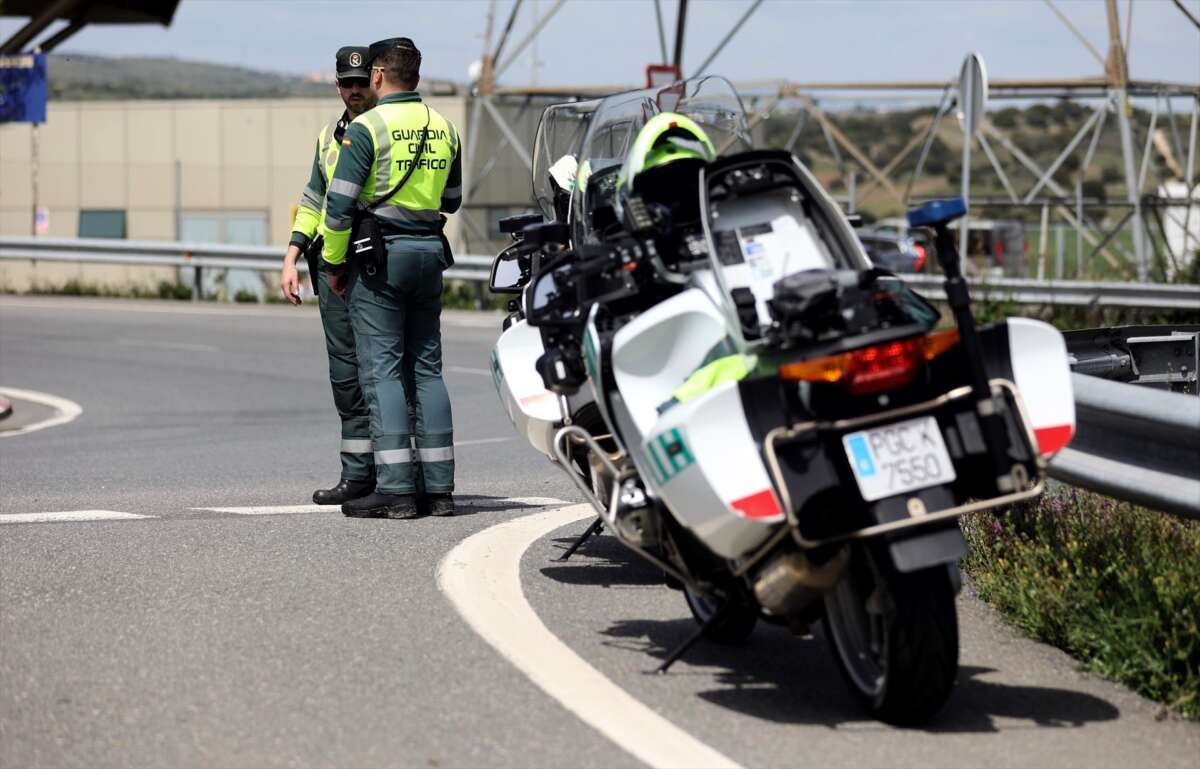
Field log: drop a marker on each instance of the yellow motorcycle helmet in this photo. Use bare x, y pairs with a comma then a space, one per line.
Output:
663, 163
667, 137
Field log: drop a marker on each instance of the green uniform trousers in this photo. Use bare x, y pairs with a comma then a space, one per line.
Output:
358, 462
397, 327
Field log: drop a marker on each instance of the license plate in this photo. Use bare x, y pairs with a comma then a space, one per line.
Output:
900, 457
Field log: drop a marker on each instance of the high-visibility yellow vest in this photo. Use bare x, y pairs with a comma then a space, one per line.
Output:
395, 129
328, 149
311, 210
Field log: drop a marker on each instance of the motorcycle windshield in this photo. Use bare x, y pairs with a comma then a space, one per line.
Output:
710, 101
560, 134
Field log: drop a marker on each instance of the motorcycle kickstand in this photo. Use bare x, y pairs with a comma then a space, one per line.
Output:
596, 527
691, 640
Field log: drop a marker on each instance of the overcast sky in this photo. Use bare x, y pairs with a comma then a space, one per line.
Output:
611, 41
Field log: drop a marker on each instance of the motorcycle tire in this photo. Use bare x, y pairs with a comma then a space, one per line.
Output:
894, 637
733, 628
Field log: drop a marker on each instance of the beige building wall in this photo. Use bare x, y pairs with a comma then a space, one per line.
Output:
155, 159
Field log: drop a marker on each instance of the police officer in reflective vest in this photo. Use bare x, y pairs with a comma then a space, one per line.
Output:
358, 462
398, 171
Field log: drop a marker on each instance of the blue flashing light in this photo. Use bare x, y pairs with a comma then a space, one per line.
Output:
937, 212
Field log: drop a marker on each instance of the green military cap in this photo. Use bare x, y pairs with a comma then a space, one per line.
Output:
379, 46
352, 61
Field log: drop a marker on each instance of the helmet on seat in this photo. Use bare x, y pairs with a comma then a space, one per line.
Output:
662, 165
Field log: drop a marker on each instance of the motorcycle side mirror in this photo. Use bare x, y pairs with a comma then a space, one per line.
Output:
507, 276
856, 220
511, 225
551, 298
547, 234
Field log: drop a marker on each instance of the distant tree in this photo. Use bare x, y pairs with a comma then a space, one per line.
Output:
1037, 116
1066, 112
1094, 189
939, 155
1006, 118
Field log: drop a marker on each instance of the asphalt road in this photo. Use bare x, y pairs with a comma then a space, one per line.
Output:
193, 637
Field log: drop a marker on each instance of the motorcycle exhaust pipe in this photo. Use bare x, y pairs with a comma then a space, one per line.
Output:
790, 581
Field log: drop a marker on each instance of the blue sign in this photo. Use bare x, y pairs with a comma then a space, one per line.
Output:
23, 88
862, 457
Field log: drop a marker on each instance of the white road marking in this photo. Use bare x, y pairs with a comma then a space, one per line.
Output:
71, 515
274, 509
482, 579
481, 441
499, 502
468, 370
68, 411
186, 346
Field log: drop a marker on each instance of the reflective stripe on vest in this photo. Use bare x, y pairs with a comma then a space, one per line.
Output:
329, 152
396, 131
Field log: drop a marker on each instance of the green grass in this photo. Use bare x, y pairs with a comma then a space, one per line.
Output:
76, 287
1114, 585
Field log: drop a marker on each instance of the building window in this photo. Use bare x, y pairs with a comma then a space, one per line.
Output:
99, 223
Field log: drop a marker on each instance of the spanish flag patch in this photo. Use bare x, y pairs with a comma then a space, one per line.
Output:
346, 142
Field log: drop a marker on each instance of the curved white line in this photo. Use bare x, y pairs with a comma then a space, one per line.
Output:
67, 410
482, 579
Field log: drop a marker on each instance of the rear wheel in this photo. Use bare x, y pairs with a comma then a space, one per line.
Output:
894, 636
734, 626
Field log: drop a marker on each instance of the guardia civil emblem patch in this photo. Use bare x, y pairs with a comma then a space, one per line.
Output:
356, 59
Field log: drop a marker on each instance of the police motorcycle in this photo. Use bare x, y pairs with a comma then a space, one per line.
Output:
791, 436
536, 413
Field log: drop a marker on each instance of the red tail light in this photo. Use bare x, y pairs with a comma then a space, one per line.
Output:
872, 369
883, 367
919, 262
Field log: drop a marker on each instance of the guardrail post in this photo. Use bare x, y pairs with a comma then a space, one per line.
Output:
197, 285
480, 296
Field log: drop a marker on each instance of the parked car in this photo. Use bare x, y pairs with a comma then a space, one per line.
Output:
898, 253
995, 247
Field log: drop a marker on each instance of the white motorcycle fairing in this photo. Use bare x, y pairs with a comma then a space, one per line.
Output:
698, 457
1042, 374
535, 411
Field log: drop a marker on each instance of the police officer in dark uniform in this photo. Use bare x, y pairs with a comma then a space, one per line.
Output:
357, 457
398, 173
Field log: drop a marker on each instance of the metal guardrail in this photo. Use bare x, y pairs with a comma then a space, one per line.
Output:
1135, 443
1069, 292
473, 267
196, 256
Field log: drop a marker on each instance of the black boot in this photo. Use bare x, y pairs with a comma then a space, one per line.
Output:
344, 491
380, 505
441, 505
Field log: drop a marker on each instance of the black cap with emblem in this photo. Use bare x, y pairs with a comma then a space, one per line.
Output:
380, 46
352, 61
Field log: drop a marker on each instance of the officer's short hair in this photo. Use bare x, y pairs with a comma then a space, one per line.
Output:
401, 63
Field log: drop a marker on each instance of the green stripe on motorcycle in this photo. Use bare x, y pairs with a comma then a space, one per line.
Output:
674, 448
